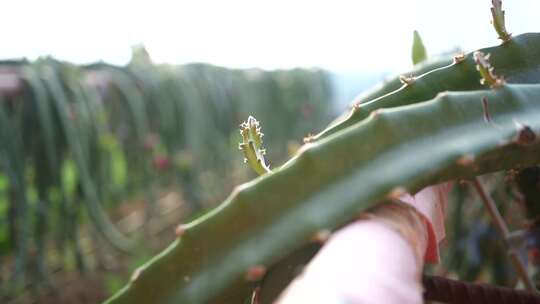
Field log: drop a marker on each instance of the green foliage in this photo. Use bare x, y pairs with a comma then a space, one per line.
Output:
419, 53
77, 140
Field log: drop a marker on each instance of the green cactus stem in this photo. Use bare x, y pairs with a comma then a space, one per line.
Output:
330, 182
497, 14
518, 60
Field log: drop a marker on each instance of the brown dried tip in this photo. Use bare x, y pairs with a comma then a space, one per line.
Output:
407, 80
321, 236
255, 273
396, 193
465, 160
459, 58
525, 136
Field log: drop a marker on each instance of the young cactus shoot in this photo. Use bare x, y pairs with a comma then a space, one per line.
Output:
251, 145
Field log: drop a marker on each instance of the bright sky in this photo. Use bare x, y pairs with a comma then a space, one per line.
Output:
338, 35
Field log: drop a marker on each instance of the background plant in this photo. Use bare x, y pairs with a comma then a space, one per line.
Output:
77, 142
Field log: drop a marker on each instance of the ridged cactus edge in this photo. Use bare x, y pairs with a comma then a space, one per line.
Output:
518, 60
334, 179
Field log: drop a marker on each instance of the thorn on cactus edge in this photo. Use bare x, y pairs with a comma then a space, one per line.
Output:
525, 136
396, 193
465, 160
309, 138
321, 236
136, 274
459, 58
442, 94
407, 80
180, 230
255, 273
356, 107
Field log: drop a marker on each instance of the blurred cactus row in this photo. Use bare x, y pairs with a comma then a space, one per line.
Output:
77, 140
452, 119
